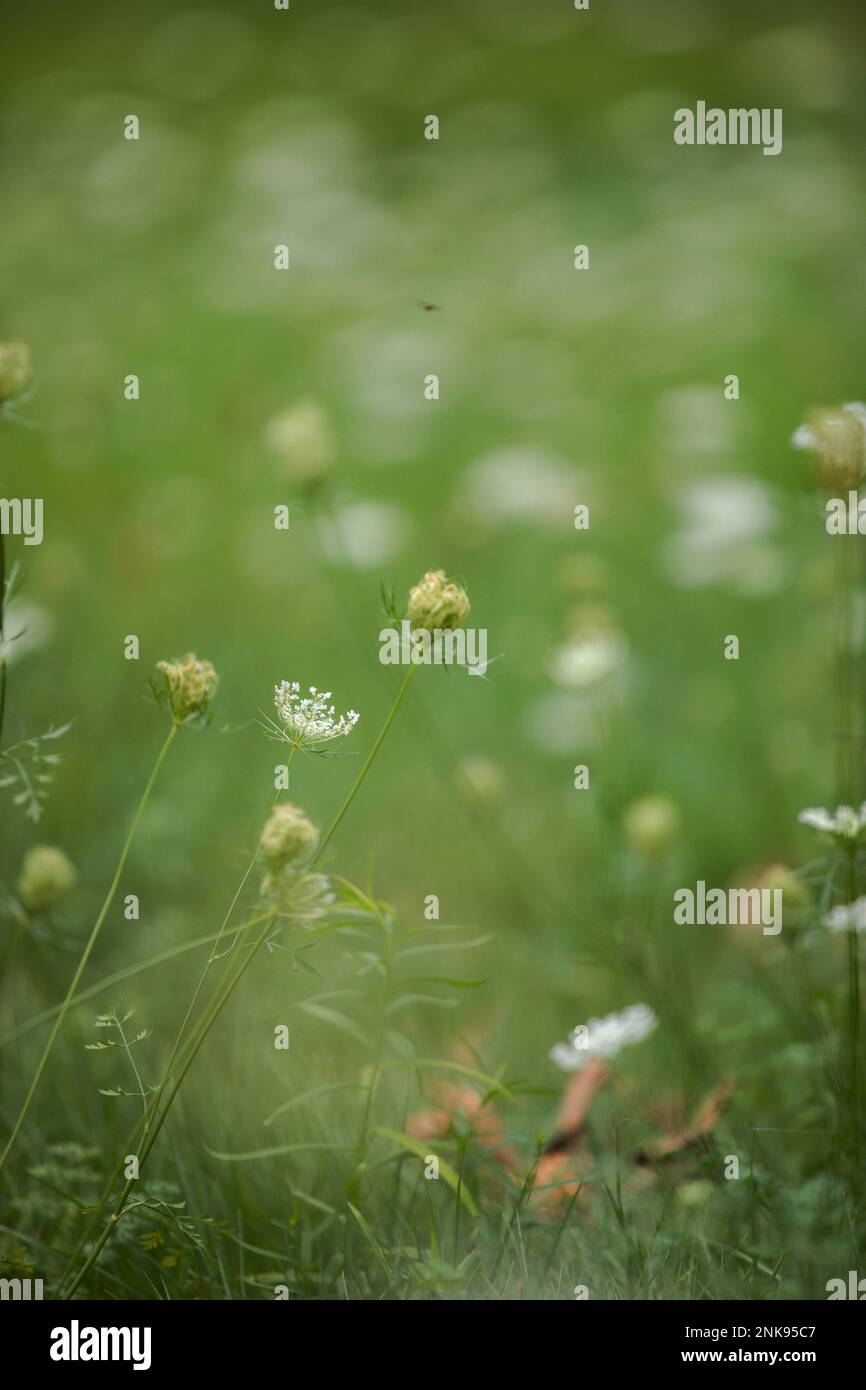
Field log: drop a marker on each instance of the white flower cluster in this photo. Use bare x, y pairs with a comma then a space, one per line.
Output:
846, 824
847, 917
604, 1037
309, 720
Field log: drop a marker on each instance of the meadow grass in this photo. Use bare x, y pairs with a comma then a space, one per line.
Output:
413, 1036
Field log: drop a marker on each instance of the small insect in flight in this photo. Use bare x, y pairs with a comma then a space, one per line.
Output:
422, 304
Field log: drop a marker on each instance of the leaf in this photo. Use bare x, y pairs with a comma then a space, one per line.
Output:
443, 946
406, 999
336, 1019
277, 1150
308, 1095
405, 1141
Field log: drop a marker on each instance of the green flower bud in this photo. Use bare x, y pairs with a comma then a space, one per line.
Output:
15, 369
289, 835
300, 440
651, 824
191, 685
795, 890
838, 439
46, 875
436, 603
301, 897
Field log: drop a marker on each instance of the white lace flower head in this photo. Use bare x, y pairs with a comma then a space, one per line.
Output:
604, 1037
845, 824
308, 720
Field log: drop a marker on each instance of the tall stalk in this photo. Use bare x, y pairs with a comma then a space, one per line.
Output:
850, 787
219, 997
91, 942
368, 763
207, 1021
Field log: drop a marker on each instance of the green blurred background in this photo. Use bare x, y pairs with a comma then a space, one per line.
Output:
604, 387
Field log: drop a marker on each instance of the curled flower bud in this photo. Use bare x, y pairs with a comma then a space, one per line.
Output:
436, 603
46, 875
651, 824
289, 835
301, 440
301, 897
15, 369
838, 439
191, 685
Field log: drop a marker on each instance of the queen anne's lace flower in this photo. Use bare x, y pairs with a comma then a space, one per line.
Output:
604, 1037
309, 720
847, 917
846, 824
191, 685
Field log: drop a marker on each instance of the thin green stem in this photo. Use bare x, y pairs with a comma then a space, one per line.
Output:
207, 1021
213, 955
2, 638
353, 1184
85, 955
367, 764
179, 1039
132, 1137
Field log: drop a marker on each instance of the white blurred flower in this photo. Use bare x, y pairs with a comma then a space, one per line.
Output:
365, 535
521, 484
722, 536
560, 721
27, 628
588, 659
847, 917
308, 720
300, 438
604, 1037
846, 824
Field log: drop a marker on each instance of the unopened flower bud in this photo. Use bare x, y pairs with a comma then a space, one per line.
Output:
838, 440
437, 603
46, 875
300, 439
15, 369
304, 898
794, 889
289, 835
191, 685
652, 824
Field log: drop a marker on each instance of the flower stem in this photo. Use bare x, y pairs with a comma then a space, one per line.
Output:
219, 998
179, 1039
2, 640
367, 764
85, 955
